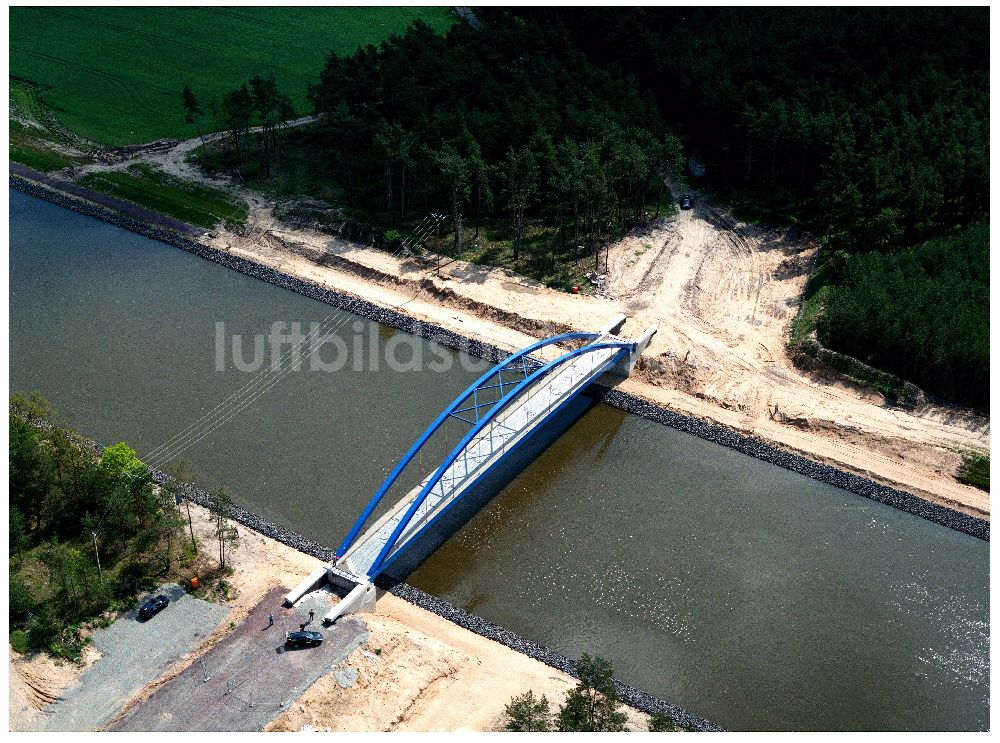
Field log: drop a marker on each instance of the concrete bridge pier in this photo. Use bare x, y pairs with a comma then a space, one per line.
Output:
626, 366
360, 596
360, 600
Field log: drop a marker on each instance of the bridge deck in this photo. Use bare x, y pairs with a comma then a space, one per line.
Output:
509, 426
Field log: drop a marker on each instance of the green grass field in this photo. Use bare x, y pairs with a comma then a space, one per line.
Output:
115, 74
153, 189
38, 157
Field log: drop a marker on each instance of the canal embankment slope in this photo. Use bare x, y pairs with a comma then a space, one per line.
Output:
409, 297
724, 294
723, 360
455, 670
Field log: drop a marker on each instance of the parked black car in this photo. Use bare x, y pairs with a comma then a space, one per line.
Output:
686, 202
153, 607
305, 639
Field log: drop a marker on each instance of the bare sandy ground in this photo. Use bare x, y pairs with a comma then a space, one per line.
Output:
724, 295
723, 298
37, 680
417, 672
421, 673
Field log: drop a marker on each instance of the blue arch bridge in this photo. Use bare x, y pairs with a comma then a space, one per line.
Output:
500, 422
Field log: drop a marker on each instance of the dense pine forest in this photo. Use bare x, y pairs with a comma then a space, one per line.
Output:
866, 127
515, 118
509, 126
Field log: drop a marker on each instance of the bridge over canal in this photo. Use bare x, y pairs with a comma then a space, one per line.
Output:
498, 413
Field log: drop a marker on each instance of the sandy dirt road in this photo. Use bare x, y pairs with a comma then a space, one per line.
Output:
724, 295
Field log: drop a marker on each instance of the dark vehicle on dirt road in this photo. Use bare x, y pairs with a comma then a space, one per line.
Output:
686, 201
153, 607
305, 639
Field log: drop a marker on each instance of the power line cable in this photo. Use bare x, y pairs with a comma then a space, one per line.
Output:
263, 374
239, 401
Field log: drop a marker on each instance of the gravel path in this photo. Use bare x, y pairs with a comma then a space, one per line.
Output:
133, 654
251, 677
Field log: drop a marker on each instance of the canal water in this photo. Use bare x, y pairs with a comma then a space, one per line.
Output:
752, 595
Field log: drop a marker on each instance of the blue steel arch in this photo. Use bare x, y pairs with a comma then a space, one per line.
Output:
452, 411
380, 562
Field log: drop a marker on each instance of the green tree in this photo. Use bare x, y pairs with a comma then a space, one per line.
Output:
236, 111
62, 562
520, 171
21, 601
32, 406
180, 475
31, 471
134, 478
592, 705
17, 529
527, 714
265, 98
192, 109
121, 460
118, 519
455, 173
166, 521
567, 184
220, 506
661, 722
479, 171
44, 626
597, 195
74, 482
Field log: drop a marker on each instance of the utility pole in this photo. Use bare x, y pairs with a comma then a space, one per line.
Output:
194, 545
98, 555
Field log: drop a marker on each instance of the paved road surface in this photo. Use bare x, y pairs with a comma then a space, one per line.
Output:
133, 654
252, 678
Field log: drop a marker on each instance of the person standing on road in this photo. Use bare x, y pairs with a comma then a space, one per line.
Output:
311, 615
270, 619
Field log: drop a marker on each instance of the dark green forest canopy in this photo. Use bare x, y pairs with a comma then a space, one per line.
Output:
506, 121
922, 312
867, 126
